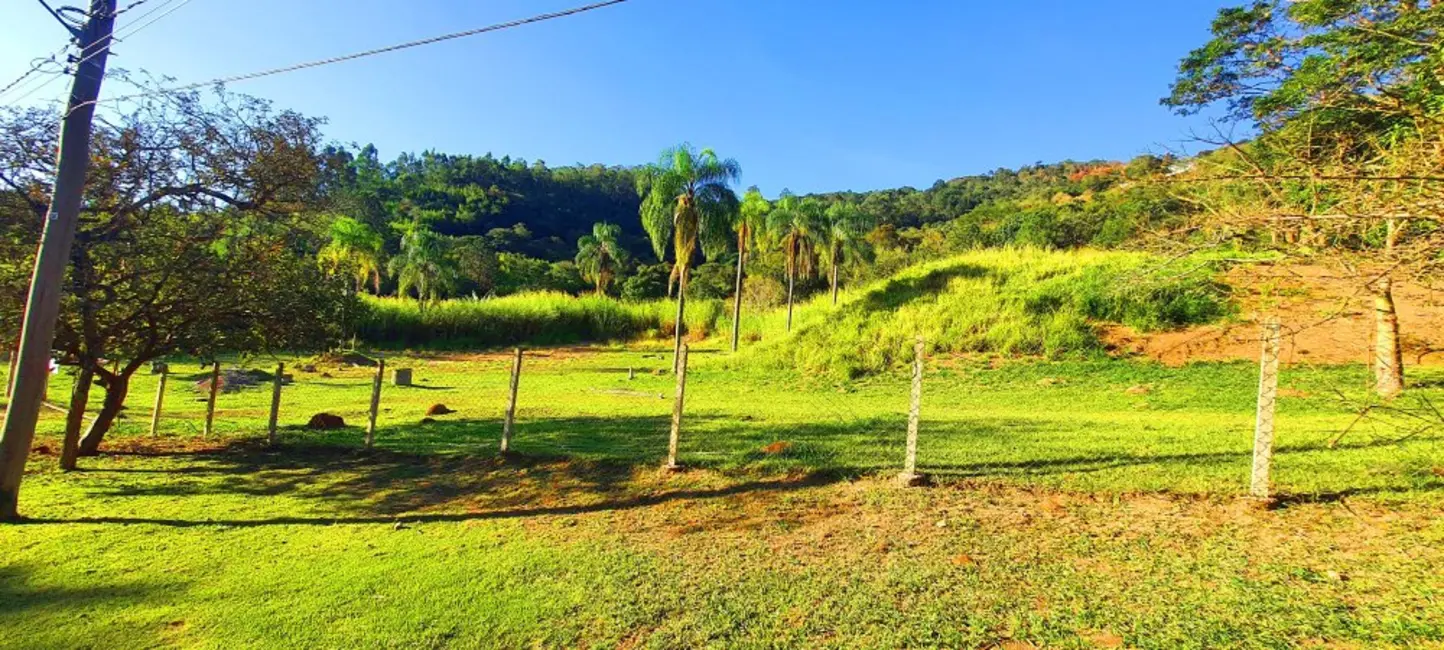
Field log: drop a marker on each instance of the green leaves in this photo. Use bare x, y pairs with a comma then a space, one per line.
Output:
601, 256
687, 198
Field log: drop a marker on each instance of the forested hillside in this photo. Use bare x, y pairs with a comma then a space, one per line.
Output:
513, 225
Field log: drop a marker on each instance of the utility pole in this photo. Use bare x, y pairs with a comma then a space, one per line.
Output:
43, 304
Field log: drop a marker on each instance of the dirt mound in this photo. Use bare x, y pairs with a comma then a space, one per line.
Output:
325, 421
234, 379
439, 409
1327, 317
343, 359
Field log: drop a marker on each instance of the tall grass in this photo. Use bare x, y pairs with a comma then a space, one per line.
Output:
1004, 301
544, 318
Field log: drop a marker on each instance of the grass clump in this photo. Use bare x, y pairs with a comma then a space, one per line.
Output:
1009, 301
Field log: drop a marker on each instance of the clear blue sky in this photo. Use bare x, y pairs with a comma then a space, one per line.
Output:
814, 95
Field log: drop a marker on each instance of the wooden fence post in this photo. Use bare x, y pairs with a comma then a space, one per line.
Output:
211, 401
1263, 432
159, 400
375, 402
275, 404
677, 405
506, 426
910, 476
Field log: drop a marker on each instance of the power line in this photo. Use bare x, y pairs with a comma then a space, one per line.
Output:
105, 43
37, 65
130, 6
382, 50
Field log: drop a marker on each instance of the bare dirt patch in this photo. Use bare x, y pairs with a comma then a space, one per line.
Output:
1326, 315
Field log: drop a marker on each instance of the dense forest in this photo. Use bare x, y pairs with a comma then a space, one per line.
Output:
512, 225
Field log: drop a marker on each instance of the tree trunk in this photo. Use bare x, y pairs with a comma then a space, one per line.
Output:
79, 398
737, 300
834, 284
681, 316
115, 391
791, 280
1388, 353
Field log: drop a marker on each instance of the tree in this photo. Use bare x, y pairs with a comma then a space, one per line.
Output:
476, 264
751, 221
355, 250
195, 237
423, 265
687, 198
844, 227
600, 256
1344, 95
795, 227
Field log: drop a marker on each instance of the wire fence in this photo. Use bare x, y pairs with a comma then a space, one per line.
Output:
574, 403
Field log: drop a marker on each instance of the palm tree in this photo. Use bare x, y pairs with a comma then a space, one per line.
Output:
751, 221
354, 248
842, 236
795, 225
422, 265
600, 255
687, 198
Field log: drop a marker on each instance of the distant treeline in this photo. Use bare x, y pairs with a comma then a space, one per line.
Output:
513, 226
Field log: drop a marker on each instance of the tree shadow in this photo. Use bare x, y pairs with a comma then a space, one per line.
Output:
18, 594
387, 486
452, 471
901, 291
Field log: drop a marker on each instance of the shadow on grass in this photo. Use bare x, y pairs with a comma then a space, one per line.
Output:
384, 487
449, 471
17, 594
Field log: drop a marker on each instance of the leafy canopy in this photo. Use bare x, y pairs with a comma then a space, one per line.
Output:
687, 198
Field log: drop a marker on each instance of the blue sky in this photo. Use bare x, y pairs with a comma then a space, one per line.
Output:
814, 95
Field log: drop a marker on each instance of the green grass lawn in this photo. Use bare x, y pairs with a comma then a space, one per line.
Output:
1071, 511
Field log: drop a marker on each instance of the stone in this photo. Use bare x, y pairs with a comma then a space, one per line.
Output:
401, 377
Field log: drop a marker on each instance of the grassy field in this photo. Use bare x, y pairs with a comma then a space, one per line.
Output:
1080, 504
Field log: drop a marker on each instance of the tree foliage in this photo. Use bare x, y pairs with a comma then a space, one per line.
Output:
195, 236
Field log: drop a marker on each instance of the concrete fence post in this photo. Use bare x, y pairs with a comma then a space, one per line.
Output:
910, 476
506, 427
159, 400
275, 403
211, 399
375, 402
677, 407
1263, 433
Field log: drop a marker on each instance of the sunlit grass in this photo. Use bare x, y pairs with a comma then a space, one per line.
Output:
1072, 512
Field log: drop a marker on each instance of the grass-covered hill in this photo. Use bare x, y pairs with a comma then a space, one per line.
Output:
1004, 301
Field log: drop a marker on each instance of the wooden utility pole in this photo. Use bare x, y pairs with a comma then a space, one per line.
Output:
43, 305
511, 404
